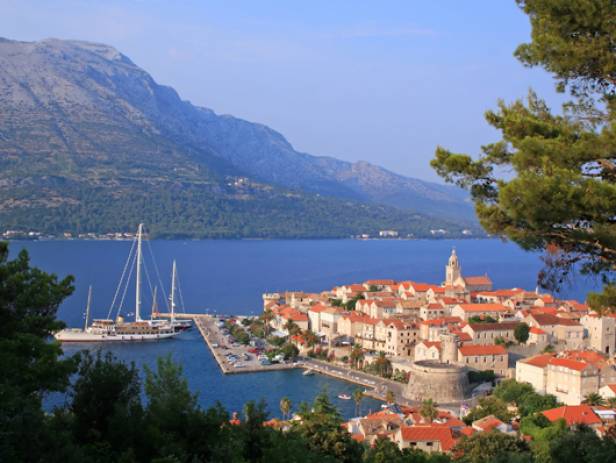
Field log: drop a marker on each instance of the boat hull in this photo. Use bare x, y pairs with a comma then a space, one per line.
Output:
84, 336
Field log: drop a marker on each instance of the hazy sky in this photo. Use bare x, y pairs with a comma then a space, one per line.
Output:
379, 80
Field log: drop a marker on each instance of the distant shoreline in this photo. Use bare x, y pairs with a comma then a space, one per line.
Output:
444, 238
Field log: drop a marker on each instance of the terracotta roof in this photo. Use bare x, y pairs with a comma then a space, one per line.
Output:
462, 336
318, 308
356, 287
570, 364
478, 280
399, 324
487, 423
483, 307
356, 317
573, 414
501, 292
612, 387
535, 330
545, 319
478, 349
423, 287
467, 431
493, 326
380, 282
293, 314
442, 321
429, 344
588, 356
541, 360
429, 433
435, 306
450, 300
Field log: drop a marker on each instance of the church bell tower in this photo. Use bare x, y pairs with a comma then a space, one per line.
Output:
453, 271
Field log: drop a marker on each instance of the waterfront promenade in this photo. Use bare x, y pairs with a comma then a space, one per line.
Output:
206, 324
374, 386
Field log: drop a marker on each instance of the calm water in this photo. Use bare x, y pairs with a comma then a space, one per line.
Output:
230, 276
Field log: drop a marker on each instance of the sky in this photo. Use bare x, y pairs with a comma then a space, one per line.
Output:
381, 81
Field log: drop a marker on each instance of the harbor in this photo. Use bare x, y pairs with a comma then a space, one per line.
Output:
206, 324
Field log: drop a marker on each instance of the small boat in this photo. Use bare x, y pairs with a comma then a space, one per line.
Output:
308, 372
344, 396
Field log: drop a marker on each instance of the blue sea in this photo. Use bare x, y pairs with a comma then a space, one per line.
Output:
228, 277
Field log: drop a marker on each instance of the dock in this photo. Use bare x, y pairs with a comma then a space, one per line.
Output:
206, 324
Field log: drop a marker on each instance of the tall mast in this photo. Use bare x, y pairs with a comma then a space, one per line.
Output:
154, 302
173, 277
85, 327
138, 275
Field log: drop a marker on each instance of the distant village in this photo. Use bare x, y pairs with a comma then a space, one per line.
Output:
394, 234
452, 343
34, 235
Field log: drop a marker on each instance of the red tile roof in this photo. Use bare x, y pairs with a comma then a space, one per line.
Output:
422, 287
570, 364
493, 326
429, 344
541, 360
442, 321
594, 358
478, 349
356, 317
487, 423
429, 433
295, 315
501, 292
535, 330
573, 414
478, 280
380, 282
483, 307
545, 319
318, 308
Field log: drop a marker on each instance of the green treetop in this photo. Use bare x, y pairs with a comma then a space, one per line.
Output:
549, 183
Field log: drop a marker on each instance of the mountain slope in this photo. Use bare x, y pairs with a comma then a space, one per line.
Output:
89, 142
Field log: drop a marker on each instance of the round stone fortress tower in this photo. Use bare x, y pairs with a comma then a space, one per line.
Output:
444, 381
449, 348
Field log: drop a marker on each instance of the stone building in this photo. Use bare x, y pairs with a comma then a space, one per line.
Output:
571, 380
601, 332
484, 357
488, 333
444, 383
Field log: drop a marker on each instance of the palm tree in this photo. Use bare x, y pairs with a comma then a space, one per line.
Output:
292, 328
593, 399
611, 402
267, 316
429, 410
357, 355
285, 407
358, 396
310, 337
390, 397
383, 365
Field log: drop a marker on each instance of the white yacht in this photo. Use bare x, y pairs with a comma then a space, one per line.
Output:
119, 330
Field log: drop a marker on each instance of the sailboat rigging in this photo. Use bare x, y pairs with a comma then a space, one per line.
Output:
119, 330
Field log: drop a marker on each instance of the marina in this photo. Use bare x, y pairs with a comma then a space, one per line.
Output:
374, 387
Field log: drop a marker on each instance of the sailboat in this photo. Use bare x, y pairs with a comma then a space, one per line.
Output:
178, 324
119, 330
